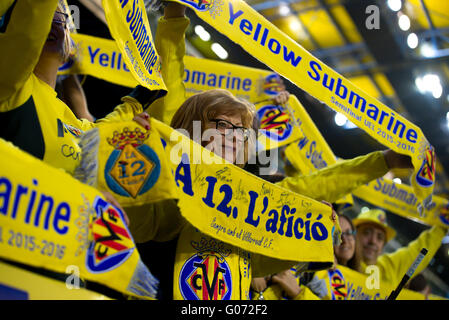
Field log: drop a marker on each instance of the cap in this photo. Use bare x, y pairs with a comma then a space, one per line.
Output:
377, 217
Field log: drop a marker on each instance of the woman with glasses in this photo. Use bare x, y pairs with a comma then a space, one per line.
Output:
173, 249
35, 42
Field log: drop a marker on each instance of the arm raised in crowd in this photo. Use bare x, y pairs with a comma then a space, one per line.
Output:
395, 265
23, 32
335, 181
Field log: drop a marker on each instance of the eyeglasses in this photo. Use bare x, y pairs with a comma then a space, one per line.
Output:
61, 18
228, 129
348, 234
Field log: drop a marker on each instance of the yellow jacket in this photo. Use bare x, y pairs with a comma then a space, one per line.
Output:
393, 266
31, 116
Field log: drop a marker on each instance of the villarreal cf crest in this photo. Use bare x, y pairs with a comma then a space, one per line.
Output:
112, 243
426, 174
337, 284
273, 84
133, 167
206, 276
275, 122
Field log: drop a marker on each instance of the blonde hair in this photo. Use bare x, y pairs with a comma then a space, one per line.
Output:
209, 105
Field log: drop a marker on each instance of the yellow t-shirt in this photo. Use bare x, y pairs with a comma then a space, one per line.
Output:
393, 266
31, 116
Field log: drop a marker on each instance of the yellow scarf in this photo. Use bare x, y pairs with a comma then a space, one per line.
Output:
312, 153
243, 25
220, 199
50, 220
129, 26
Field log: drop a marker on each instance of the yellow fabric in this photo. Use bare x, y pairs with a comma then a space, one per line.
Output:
21, 45
129, 26
4, 6
338, 179
236, 207
50, 220
400, 199
60, 128
260, 38
312, 153
128, 161
144, 227
169, 41
209, 269
393, 266
100, 58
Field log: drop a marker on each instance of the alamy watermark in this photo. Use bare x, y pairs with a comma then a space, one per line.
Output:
373, 20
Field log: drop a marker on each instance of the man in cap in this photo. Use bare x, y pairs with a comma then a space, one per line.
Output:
373, 233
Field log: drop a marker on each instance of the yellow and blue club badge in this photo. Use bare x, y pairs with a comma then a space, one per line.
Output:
133, 167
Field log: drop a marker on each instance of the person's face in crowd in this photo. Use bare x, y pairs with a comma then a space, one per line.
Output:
230, 138
54, 45
370, 240
345, 251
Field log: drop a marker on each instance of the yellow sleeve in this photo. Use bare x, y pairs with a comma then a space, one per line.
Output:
395, 265
337, 180
170, 45
24, 30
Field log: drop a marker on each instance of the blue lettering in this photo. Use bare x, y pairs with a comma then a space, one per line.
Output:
43, 199
379, 184
63, 206
314, 64
277, 48
338, 87
246, 85
92, 54
185, 178
103, 59
411, 135
123, 2
289, 56
302, 143
246, 26
5, 195
232, 15
252, 204
130, 14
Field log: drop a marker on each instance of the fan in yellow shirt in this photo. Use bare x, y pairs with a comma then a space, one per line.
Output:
373, 233
35, 41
